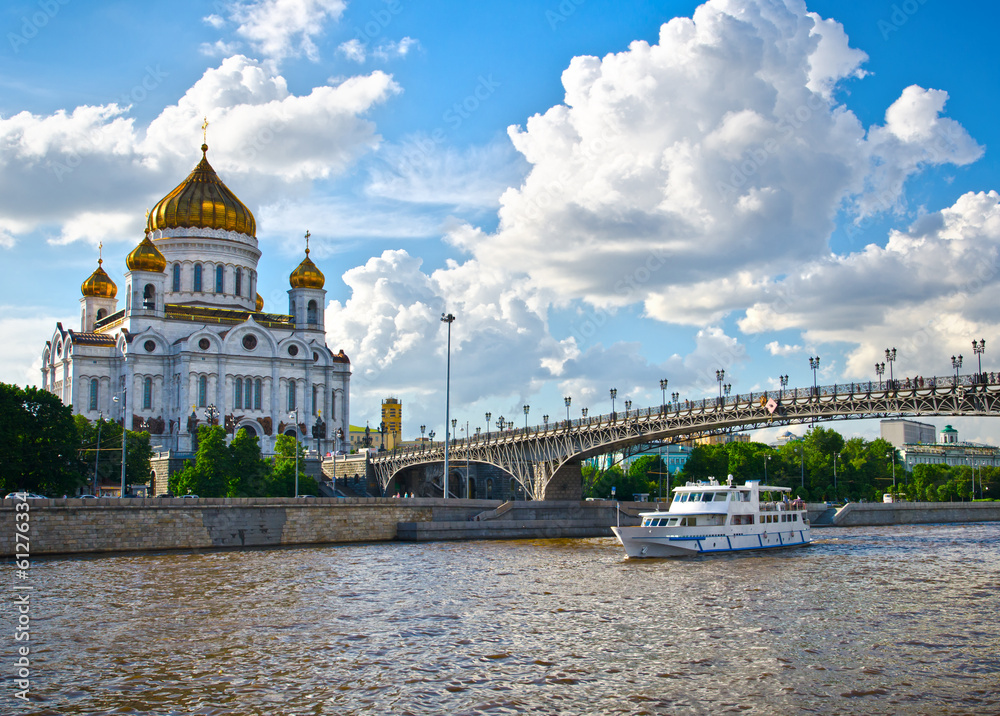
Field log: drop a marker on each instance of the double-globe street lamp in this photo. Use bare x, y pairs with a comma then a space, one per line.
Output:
567, 400
880, 371
890, 358
449, 319
978, 347
956, 363
614, 394
294, 417
663, 394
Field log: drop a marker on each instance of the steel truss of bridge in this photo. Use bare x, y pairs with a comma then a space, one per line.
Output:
545, 460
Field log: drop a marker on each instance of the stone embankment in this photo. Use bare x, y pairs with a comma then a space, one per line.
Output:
866, 514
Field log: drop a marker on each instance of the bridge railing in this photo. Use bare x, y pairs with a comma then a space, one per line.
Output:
685, 407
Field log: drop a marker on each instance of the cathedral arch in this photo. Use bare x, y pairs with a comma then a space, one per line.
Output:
197, 277
220, 276
147, 394
238, 287
238, 394
149, 297
94, 389
311, 312
101, 313
176, 285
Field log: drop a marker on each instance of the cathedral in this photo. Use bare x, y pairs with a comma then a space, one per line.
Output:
192, 344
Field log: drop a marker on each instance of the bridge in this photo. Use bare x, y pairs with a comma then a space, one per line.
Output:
546, 460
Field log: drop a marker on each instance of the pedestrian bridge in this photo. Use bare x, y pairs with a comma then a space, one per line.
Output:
546, 459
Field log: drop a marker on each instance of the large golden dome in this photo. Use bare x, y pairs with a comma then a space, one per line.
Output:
99, 284
146, 257
307, 275
202, 201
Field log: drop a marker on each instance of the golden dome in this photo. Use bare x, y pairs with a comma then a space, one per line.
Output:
260, 303
202, 201
307, 275
146, 257
99, 284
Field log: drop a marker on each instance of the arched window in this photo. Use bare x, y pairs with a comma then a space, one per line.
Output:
177, 278
314, 406
239, 282
218, 279
147, 394
202, 391
149, 297
93, 394
197, 277
238, 394
333, 403
101, 313
291, 395
247, 393
311, 312
256, 394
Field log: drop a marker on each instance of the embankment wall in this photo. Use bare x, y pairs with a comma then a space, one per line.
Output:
865, 514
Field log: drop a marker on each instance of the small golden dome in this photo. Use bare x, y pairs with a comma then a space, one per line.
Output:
146, 257
307, 275
99, 284
202, 201
260, 303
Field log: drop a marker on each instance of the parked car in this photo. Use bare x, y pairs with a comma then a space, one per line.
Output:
189, 497
88, 497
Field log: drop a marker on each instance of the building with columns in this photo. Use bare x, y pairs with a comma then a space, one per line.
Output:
192, 343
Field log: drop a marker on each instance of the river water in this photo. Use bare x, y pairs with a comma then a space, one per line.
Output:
881, 620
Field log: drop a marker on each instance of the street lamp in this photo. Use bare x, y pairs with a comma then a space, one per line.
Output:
628, 407
545, 419
783, 382
449, 319
663, 394
814, 365
836, 456
614, 394
97, 459
892, 457
526, 409
766, 459
488, 416
584, 412
880, 371
454, 424
500, 423
956, 363
422, 443
124, 432
567, 400
431, 436
720, 376
293, 416
890, 357
676, 398
381, 430
978, 349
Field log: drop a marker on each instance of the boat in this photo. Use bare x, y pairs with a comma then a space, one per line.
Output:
706, 517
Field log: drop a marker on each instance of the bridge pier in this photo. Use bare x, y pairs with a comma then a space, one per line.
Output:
565, 484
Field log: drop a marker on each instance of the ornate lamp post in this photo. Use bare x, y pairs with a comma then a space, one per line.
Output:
293, 416
836, 456
890, 357
978, 349
814, 366
783, 382
526, 409
663, 394
956, 363
567, 400
545, 419
454, 424
500, 424
431, 436
449, 319
488, 416
422, 443
584, 412
880, 371
628, 407
614, 394
676, 398
381, 430
720, 376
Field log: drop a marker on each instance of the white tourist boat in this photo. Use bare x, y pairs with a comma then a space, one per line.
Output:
708, 517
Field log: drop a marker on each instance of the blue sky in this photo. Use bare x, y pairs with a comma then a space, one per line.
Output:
735, 185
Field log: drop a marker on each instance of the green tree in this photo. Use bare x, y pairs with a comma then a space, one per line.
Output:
210, 473
38, 443
108, 459
249, 469
606, 479
282, 478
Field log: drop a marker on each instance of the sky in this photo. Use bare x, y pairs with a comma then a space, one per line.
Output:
605, 194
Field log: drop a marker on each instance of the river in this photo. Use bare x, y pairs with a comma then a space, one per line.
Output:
874, 620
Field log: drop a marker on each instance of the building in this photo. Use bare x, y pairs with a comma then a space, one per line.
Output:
902, 432
949, 450
192, 343
392, 418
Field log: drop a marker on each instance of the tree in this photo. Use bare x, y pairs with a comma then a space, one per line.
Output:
282, 479
249, 469
209, 475
38, 443
108, 460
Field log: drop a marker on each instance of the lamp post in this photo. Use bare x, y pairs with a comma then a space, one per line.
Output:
293, 416
783, 382
814, 366
545, 420
584, 412
676, 398
338, 442
97, 459
567, 400
381, 430
720, 376
500, 423
526, 409
880, 371
978, 349
431, 436
628, 407
956, 363
449, 319
663, 394
488, 416
890, 357
892, 457
454, 424
836, 456
124, 433
614, 394
766, 459
423, 445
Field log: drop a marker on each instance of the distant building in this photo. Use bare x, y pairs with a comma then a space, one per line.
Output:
903, 432
949, 450
784, 438
392, 416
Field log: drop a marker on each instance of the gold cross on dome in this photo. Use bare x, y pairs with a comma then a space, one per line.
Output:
307, 241
204, 131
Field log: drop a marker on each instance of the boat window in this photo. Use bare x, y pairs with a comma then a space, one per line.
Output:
646, 522
672, 522
683, 498
695, 497
795, 518
721, 496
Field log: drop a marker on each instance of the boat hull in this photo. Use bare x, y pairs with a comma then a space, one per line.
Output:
643, 542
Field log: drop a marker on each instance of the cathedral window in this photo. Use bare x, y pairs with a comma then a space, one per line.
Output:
314, 406
147, 394
149, 297
256, 394
239, 282
177, 278
238, 394
247, 393
93, 394
218, 279
291, 395
197, 277
202, 391
101, 313
311, 312
333, 403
